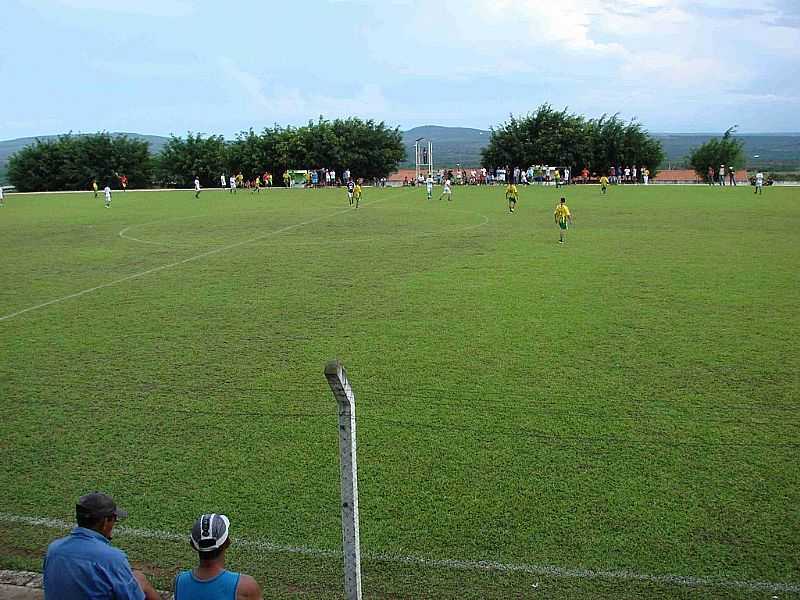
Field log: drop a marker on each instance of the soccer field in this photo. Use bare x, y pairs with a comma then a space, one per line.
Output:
614, 417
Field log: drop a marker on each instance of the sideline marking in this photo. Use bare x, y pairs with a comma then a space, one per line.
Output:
183, 261
462, 565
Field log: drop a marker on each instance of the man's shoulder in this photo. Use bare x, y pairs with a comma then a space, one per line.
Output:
248, 588
55, 545
90, 547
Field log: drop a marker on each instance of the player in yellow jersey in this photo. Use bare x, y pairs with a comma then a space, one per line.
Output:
512, 195
563, 219
94, 187
603, 184
357, 192
257, 188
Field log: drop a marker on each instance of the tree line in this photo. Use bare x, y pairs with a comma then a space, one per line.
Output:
563, 139
367, 148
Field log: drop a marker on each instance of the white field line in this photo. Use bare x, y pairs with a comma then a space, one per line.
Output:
364, 240
122, 233
181, 262
463, 565
147, 190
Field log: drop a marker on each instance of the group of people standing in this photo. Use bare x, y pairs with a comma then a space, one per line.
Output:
235, 182
629, 174
713, 176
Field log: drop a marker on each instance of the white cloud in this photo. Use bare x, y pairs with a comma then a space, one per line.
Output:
679, 71
289, 103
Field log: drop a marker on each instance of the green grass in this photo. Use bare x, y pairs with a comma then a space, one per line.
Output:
627, 402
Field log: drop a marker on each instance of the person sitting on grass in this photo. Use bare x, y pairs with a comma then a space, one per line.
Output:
84, 564
210, 580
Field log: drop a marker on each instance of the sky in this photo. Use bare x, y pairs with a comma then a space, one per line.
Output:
171, 66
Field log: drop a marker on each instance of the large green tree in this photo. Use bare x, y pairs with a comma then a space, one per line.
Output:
184, 158
367, 148
727, 151
71, 162
561, 138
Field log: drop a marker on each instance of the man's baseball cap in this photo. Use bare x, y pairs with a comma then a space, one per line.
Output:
209, 532
97, 505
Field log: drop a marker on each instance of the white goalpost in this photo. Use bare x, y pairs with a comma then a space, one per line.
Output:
423, 157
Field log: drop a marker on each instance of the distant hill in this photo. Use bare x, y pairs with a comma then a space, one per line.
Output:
774, 151
451, 145
454, 145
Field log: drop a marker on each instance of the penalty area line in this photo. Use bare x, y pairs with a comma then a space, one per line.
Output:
463, 565
178, 263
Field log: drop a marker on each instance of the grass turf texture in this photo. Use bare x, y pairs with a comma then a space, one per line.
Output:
625, 402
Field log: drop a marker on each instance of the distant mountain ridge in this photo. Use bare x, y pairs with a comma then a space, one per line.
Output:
463, 145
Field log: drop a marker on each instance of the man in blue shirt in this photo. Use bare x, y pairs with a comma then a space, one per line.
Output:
84, 564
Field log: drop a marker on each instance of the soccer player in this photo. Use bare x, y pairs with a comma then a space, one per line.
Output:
357, 192
759, 183
557, 177
94, 187
196, 186
223, 183
563, 218
257, 188
123, 180
603, 184
350, 189
429, 186
512, 195
645, 175
446, 191
2, 199
232, 183
107, 192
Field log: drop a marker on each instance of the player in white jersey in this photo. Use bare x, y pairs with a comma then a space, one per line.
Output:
196, 186
107, 193
759, 183
446, 191
232, 182
429, 186
222, 182
2, 199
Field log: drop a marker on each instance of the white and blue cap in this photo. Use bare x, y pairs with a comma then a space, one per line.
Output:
209, 532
